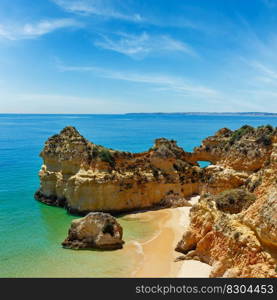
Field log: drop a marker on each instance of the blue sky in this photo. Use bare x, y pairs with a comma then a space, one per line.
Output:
118, 56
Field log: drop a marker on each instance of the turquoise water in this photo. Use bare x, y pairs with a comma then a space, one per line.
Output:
31, 232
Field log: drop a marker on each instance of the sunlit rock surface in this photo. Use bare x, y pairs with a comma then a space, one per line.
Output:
86, 177
233, 227
236, 231
94, 231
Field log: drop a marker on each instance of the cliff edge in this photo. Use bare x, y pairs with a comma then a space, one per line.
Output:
234, 231
234, 225
84, 177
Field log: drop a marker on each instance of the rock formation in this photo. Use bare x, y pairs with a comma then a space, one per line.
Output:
94, 231
234, 225
245, 149
85, 177
235, 231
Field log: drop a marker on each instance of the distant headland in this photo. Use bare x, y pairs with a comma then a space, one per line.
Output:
254, 114
210, 113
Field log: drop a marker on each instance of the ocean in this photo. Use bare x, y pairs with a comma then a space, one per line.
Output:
31, 232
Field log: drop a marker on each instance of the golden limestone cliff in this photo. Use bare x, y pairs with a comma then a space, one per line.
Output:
235, 231
245, 149
86, 177
234, 225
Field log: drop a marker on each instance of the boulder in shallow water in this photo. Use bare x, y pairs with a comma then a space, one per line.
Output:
96, 230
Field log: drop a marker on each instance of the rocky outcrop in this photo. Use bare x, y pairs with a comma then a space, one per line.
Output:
233, 227
85, 177
245, 149
94, 231
222, 238
235, 230
217, 178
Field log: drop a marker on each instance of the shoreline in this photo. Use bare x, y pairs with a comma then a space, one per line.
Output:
158, 253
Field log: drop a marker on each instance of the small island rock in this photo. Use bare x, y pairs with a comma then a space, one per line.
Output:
96, 230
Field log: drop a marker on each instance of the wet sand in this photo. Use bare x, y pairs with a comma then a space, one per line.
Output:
158, 252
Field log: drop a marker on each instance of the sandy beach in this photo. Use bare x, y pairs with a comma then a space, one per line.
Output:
158, 252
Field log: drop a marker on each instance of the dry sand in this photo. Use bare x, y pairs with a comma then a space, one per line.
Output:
159, 254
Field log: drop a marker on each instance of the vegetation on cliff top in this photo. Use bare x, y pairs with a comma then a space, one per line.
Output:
167, 148
234, 201
262, 134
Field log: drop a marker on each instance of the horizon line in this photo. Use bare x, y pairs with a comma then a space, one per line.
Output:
137, 113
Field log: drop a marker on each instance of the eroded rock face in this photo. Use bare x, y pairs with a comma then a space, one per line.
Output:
245, 149
94, 231
85, 177
217, 178
235, 231
234, 201
226, 242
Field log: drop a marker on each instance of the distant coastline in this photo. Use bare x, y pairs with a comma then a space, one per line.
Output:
254, 114
210, 113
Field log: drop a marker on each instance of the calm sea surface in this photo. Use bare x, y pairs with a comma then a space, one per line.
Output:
31, 232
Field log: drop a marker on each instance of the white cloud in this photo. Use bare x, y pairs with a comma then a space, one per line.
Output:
256, 88
104, 8
162, 82
31, 31
128, 44
139, 46
4, 33
265, 70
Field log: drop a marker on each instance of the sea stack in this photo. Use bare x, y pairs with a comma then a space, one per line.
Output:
95, 231
85, 177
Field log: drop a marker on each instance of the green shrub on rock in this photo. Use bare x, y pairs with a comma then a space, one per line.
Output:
234, 201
